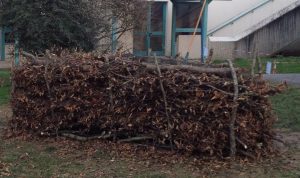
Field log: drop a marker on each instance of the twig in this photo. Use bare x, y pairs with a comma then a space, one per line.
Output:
242, 143
134, 139
48, 57
234, 111
254, 58
210, 56
29, 55
259, 67
122, 76
222, 91
247, 154
164, 97
110, 94
109, 83
253, 69
82, 138
190, 68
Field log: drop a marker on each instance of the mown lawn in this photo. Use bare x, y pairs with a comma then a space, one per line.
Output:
4, 86
287, 108
284, 64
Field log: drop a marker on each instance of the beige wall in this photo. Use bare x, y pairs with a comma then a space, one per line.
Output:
125, 42
183, 42
222, 50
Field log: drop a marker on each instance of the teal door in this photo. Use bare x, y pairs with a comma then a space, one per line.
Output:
150, 34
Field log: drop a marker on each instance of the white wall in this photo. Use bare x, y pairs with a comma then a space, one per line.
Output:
220, 12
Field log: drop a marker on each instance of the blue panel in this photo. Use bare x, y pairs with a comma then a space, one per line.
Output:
114, 35
187, 30
204, 49
164, 28
2, 45
173, 46
17, 55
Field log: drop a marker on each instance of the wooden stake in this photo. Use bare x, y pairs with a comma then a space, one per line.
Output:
259, 67
234, 112
165, 99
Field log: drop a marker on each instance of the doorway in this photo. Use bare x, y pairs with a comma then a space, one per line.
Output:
150, 34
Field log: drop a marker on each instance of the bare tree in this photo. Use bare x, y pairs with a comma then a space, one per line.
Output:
120, 15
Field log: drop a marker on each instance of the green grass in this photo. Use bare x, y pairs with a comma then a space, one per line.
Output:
53, 159
5, 86
287, 108
284, 64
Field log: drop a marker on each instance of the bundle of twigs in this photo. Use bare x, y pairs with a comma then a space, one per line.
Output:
182, 107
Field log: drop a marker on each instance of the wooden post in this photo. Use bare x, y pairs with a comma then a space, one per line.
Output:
232, 136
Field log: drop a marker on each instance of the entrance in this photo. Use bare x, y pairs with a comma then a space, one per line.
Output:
150, 34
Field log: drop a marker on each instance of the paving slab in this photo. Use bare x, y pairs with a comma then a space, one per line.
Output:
291, 79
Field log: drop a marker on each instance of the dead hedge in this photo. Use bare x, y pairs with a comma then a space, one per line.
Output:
128, 100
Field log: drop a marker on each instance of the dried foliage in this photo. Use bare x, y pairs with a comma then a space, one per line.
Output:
123, 99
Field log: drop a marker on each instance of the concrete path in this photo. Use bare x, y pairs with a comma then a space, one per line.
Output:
291, 79
5, 65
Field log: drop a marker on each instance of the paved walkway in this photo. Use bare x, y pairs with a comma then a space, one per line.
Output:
291, 79
5, 65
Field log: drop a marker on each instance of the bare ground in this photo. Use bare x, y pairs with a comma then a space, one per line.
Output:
60, 157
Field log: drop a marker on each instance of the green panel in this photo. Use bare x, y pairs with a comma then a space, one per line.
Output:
114, 35
187, 30
204, 49
17, 55
173, 46
2, 45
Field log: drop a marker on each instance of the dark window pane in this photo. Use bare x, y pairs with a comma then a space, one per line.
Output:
156, 43
139, 43
157, 17
9, 38
187, 15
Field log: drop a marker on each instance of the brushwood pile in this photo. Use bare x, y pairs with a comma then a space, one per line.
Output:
122, 98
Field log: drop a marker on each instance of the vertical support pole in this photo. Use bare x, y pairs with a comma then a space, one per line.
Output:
17, 51
114, 35
2, 34
148, 36
204, 50
164, 28
173, 45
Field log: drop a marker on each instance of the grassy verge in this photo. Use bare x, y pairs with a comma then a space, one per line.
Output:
73, 159
284, 64
4, 86
287, 108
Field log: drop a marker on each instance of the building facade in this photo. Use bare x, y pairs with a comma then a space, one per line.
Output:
224, 24
168, 30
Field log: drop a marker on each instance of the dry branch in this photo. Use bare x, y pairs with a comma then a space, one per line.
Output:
234, 111
134, 139
190, 68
